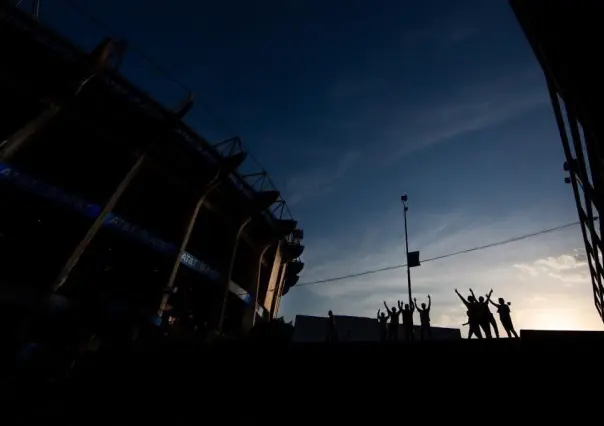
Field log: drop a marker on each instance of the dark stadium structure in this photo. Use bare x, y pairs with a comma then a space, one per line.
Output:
112, 205
566, 37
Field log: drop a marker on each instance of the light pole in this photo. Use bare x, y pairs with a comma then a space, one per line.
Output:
405, 208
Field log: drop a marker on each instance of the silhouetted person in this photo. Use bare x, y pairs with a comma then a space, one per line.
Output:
393, 326
490, 317
473, 330
482, 313
383, 324
473, 319
424, 318
505, 317
407, 311
332, 331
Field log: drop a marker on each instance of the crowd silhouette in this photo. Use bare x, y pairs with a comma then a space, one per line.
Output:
481, 321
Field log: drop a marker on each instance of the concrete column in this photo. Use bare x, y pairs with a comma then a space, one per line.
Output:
92, 231
278, 290
229, 274
273, 280
185, 240
249, 316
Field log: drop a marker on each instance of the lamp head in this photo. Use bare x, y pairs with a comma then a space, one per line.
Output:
404, 198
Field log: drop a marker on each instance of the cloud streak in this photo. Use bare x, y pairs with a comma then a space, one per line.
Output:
320, 180
373, 128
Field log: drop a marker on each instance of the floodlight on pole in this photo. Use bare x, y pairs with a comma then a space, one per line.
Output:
404, 199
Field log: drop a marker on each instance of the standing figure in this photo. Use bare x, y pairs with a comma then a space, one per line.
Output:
473, 319
483, 312
332, 331
473, 330
490, 317
393, 326
407, 311
383, 324
505, 317
424, 318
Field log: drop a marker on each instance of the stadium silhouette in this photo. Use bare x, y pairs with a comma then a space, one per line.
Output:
113, 204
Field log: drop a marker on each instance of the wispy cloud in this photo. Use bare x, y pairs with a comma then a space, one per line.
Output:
381, 133
468, 108
570, 269
320, 180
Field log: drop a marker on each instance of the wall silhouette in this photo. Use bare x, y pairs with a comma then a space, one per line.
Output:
356, 329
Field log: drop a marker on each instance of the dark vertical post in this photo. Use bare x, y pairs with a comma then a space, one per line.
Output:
405, 208
249, 317
36, 9
229, 276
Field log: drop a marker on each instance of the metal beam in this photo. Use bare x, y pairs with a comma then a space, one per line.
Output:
96, 226
573, 178
185, 241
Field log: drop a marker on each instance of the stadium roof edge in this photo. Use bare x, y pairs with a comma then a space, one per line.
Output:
64, 46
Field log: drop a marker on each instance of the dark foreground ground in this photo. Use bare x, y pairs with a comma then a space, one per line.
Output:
264, 383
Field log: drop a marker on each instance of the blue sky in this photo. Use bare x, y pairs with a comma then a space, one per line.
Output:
350, 104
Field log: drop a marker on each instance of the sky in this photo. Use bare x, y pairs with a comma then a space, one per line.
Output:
349, 105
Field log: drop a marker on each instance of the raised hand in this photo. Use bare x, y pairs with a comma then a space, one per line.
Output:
428, 296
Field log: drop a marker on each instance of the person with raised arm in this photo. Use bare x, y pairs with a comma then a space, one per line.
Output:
474, 326
505, 317
332, 331
424, 318
383, 324
393, 326
482, 313
407, 311
490, 317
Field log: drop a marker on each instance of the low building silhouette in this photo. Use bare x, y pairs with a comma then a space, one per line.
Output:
357, 329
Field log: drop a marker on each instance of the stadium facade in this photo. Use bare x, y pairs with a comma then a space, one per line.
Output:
309, 329
109, 199
566, 37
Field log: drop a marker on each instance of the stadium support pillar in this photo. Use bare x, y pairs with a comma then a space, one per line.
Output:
249, 316
92, 231
96, 61
185, 240
229, 274
278, 291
